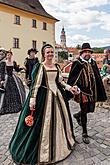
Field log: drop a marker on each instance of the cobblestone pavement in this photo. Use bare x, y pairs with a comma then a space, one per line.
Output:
95, 153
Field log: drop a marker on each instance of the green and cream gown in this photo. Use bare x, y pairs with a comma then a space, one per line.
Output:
51, 138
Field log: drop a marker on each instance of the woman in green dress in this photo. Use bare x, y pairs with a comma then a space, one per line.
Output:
44, 133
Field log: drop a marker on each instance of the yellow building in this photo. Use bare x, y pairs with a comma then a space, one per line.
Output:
25, 24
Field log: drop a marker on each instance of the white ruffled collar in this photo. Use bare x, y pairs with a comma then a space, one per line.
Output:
87, 61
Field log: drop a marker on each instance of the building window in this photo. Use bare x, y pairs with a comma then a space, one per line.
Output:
15, 42
44, 26
44, 42
34, 44
34, 24
17, 20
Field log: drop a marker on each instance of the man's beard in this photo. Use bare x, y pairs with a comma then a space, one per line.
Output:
87, 57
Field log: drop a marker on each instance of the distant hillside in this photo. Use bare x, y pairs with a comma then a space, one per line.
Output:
100, 49
106, 47
103, 47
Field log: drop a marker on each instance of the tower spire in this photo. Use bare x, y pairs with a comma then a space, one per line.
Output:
63, 38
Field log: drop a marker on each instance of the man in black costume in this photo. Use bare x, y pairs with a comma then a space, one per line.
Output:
29, 63
85, 74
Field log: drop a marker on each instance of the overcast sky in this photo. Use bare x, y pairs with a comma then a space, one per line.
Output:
83, 20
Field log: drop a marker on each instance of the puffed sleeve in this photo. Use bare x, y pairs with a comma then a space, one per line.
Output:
38, 80
62, 81
2, 70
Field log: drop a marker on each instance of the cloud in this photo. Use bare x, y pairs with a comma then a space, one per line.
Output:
104, 19
79, 39
85, 19
78, 15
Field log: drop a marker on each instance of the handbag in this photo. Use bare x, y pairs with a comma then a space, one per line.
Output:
29, 120
81, 98
77, 98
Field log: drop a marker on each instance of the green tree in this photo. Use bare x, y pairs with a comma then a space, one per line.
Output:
78, 47
98, 50
62, 56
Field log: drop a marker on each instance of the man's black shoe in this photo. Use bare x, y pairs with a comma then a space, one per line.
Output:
78, 119
85, 138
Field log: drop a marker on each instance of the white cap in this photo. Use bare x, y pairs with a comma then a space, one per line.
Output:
1, 48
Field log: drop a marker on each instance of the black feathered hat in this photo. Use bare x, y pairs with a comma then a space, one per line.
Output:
32, 50
86, 47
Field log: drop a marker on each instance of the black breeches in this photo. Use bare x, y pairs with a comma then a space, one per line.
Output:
85, 108
84, 121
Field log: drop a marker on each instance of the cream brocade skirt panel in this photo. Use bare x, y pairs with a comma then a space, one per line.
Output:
55, 106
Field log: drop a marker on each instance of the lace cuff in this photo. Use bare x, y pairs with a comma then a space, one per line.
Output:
32, 101
67, 87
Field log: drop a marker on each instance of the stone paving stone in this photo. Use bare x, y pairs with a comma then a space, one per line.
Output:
95, 138
92, 133
3, 158
7, 153
67, 163
106, 151
61, 163
86, 155
88, 161
96, 160
100, 148
92, 145
6, 162
101, 156
80, 159
106, 143
74, 162
99, 135
77, 155
103, 145
99, 128
107, 136
105, 162
99, 140
95, 153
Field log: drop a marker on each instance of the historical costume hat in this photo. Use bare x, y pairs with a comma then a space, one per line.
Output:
32, 50
9, 51
86, 47
3, 55
45, 46
2, 49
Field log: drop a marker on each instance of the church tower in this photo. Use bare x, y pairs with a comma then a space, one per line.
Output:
63, 38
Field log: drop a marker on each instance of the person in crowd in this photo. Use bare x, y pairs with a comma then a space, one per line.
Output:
29, 63
106, 68
9, 57
106, 55
44, 133
2, 69
14, 96
85, 74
